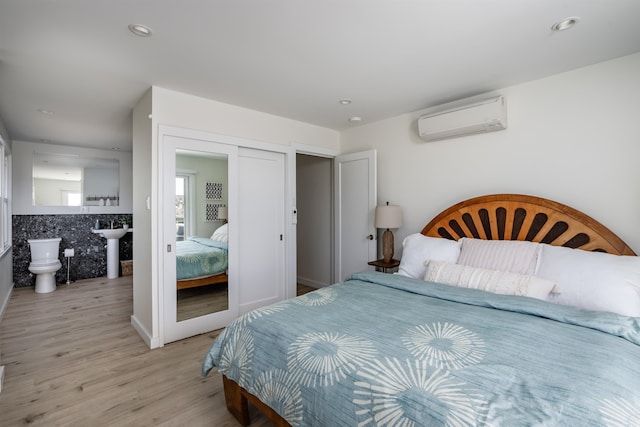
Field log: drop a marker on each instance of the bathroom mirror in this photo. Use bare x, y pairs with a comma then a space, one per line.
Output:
201, 239
74, 180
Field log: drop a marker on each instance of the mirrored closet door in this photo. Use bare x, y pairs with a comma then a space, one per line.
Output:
199, 286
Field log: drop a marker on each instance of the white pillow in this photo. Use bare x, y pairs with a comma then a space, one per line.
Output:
503, 255
221, 234
498, 282
592, 280
418, 248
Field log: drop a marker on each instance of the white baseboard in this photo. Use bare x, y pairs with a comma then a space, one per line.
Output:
144, 334
5, 303
1, 377
248, 306
312, 283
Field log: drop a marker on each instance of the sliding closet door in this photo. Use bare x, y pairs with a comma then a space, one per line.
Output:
261, 199
199, 177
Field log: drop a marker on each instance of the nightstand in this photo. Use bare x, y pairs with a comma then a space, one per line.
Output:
384, 266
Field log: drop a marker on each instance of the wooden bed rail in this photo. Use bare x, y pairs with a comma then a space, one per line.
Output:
237, 399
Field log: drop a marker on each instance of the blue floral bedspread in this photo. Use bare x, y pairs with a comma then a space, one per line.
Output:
385, 350
199, 256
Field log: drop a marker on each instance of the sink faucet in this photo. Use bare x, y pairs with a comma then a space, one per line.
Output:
111, 223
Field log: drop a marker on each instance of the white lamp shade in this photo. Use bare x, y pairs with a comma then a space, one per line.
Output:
222, 212
388, 216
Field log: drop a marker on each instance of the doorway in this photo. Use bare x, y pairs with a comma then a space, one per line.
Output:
314, 243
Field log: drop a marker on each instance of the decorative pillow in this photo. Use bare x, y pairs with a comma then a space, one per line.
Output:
504, 255
498, 282
592, 280
220, 234
418, 248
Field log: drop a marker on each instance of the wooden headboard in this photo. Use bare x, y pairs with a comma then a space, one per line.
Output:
520, 217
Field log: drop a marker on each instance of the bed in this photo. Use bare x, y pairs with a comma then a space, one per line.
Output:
483, 344
202, 261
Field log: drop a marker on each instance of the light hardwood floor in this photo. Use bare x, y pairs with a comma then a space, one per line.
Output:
73, 359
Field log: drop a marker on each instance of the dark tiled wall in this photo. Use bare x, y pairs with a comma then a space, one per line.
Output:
90, 257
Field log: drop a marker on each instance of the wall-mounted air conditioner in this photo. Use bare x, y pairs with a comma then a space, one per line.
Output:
481, 116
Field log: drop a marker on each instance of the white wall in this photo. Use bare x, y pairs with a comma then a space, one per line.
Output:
143, 275
193, 112
572, 138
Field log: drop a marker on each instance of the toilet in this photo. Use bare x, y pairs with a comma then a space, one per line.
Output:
45, 263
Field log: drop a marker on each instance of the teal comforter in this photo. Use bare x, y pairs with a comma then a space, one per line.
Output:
199, 256
387, 350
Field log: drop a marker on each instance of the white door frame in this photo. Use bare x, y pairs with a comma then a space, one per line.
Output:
292, 243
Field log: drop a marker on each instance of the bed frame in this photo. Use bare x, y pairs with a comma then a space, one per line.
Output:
202, 281
492, 217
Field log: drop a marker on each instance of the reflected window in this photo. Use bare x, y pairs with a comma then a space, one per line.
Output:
71, 198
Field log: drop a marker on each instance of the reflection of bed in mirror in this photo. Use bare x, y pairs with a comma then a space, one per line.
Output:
202, 261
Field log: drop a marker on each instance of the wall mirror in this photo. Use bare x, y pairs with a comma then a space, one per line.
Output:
201, 194
74, 180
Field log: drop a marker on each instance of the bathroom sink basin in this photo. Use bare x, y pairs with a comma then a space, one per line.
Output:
111, 233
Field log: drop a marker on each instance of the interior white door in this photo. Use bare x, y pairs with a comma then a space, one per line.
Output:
261, 200
173, 326
355, 193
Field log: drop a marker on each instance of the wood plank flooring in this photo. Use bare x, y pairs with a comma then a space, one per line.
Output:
200, 301
72, 359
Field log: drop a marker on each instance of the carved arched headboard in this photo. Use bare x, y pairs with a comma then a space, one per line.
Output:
520, 217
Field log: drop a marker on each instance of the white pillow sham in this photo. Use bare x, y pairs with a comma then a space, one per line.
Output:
503, 255
221, 234
498, 282
592, 280
418, 248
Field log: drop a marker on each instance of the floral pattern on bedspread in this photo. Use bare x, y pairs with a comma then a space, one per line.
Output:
385, 350
199, 256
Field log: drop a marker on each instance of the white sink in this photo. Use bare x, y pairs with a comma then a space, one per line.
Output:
113, 236
111, 233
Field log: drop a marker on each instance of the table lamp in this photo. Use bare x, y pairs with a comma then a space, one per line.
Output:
223, 214
388, 216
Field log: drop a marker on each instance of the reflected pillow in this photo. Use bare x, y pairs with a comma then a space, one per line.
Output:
220, 234
498, 282
418, 248
592, 280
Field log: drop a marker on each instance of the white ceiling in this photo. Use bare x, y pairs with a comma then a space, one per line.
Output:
292, 58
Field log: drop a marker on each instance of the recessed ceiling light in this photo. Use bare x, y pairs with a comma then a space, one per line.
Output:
46, 112
565, 24
355, 119
140, 30
345, 101
115, 148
